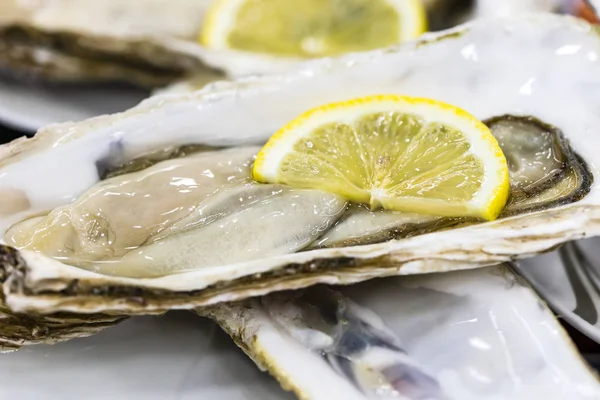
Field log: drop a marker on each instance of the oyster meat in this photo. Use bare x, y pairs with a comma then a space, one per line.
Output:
154, 209
201, 203
451, 336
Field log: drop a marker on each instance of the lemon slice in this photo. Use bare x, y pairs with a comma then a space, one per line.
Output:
398, 153
311, 28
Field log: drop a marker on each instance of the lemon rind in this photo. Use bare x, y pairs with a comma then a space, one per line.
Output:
218, 22
413, 11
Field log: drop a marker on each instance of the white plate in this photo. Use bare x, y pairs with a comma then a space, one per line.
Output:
569, 280
29, 107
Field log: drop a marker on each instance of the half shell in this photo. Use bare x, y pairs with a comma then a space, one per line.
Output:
465, 335
541, 71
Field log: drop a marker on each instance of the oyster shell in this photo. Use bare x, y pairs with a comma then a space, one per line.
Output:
180, 263
452, 336
17, 330
146, 43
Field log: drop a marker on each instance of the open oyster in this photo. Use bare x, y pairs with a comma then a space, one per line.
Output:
150, 43
479, 334
153, 208
145, 43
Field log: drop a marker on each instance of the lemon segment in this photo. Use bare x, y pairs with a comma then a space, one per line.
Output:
311, 28
392, 152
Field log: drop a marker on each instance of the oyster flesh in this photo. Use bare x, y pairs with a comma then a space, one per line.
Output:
451, 336
154, 208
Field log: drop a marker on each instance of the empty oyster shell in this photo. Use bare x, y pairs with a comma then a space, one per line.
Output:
86, 208
421, 337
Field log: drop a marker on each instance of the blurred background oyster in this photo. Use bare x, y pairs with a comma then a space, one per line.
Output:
142, 45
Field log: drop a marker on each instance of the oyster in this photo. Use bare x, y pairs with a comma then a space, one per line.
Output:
452, 336
82, 201
441, 14
146, 43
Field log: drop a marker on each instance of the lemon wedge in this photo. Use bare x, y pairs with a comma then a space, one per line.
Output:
392, 152
311, 28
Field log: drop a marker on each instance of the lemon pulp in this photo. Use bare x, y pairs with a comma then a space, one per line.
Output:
312, 28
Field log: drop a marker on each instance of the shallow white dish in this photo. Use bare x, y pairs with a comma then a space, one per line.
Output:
29, 107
